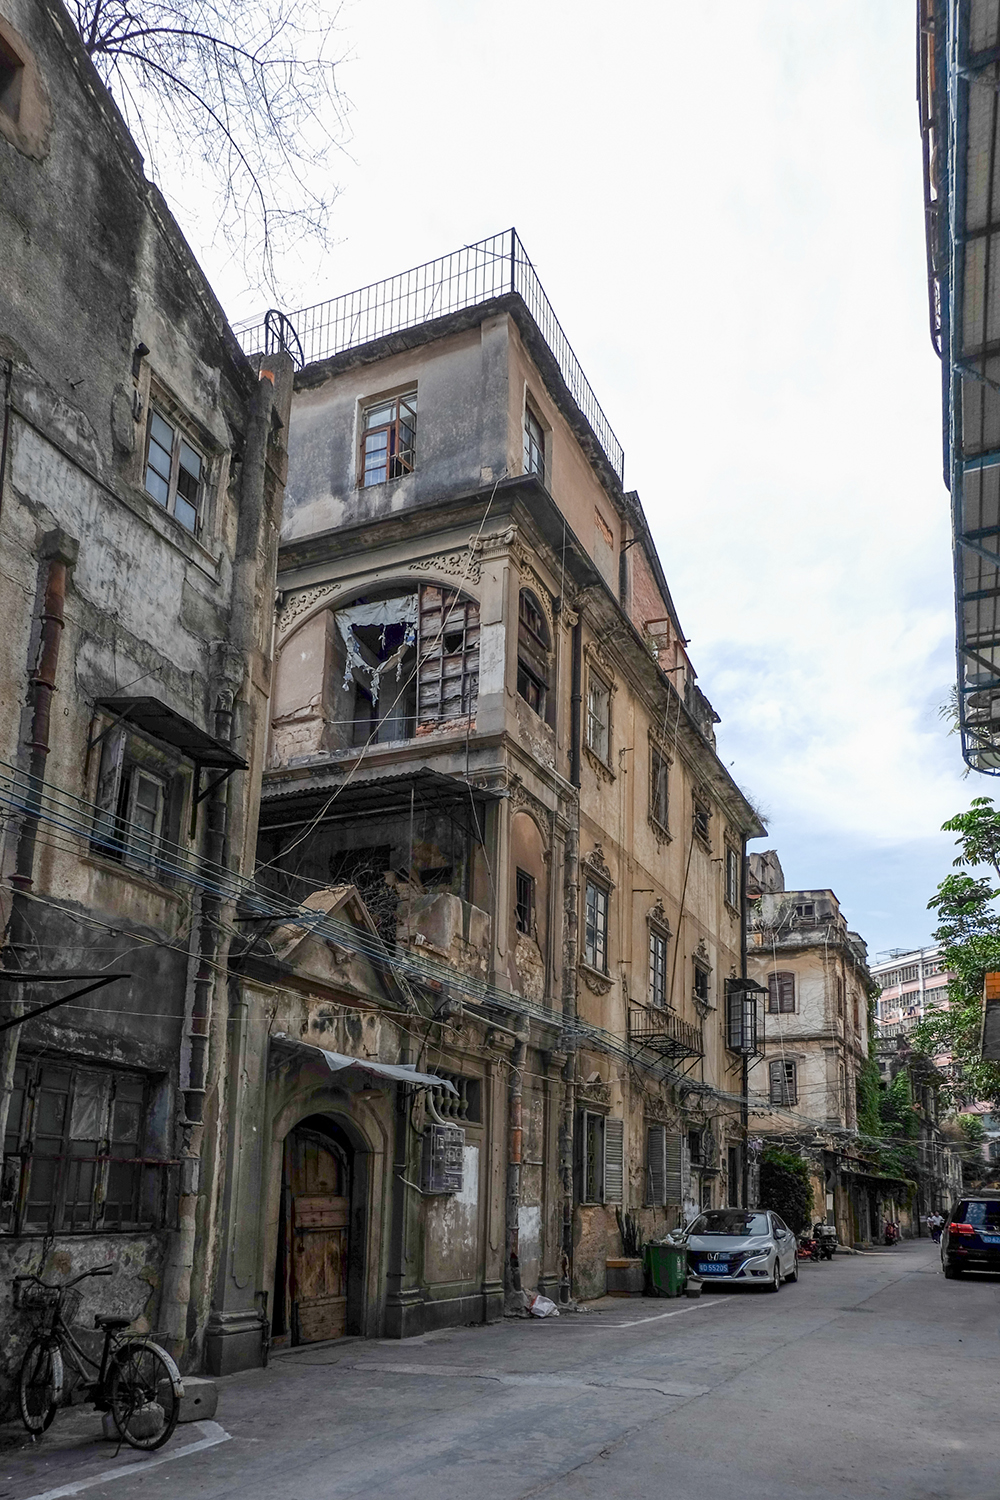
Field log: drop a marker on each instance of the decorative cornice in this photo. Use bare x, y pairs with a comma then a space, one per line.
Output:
461, 563
657, 917
662, 836
596, 863
597, 983
601, 767
497, 544
301, 603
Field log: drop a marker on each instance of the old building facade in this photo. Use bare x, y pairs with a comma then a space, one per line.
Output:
488, 743
141, 477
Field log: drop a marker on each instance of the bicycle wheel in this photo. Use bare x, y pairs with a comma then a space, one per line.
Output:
39, 1385
144, 1394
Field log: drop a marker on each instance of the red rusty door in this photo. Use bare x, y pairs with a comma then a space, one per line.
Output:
316, 1173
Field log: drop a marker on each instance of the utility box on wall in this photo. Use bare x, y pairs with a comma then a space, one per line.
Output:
443, 1161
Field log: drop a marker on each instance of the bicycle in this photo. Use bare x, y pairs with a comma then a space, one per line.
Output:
137, 1381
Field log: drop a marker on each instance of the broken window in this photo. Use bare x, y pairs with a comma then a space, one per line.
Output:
532, 653
702, 819
133, 803
524, 905
389, 439
448, 682
784, 1082
658, 785
702, 979
380, 664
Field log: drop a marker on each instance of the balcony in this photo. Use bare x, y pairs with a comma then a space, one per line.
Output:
473, 276
663, 1032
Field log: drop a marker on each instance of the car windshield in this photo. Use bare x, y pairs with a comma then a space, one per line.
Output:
733, 1221
979, 1214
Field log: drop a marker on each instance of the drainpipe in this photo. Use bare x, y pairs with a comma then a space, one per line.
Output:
512, 1270
61, 552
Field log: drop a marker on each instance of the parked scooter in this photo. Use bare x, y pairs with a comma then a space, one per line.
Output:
808, 1248
826, 1235
891, 1232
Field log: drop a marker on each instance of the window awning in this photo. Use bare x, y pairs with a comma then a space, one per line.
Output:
337, 1062
156, 719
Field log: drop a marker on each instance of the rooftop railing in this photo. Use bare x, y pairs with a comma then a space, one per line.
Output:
468, 277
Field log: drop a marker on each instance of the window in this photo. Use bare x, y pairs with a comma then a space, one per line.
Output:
840, 995
658, 804
807, 909
534, 444
741, 1017
732, 877
532, 653
702, 819
601, 1158
524, 903
780, 994
595, 935
694, 1147
657, 967
598, 717
783, 1081
75, 1159
175, 471
701, 985
389, 439
448, 672
133, 802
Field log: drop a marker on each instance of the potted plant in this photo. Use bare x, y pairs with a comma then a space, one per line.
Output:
624, 1273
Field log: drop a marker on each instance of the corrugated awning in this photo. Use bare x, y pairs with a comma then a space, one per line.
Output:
337, 1062
155, 718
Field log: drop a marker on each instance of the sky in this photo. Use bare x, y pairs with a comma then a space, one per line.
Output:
724, 203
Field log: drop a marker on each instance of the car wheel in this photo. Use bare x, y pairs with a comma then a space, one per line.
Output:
774, 1285
952, 1271
793, 1274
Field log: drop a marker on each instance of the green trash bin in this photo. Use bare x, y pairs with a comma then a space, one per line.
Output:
666, 1270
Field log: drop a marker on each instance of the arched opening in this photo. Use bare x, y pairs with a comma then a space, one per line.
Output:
319, 1262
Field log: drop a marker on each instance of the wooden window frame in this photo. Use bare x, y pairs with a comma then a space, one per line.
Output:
659, 788
600, 1158
731, 875
533, 654
782, 993
701, 972
524, 910
400, 430
181, 437
601, 924
657, 975
596, 680
783, 1082
701, 817
534, 451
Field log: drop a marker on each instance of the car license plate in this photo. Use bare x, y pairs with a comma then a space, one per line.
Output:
990, 1239
712, 1268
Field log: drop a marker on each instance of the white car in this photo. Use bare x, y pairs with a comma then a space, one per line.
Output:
748, 1246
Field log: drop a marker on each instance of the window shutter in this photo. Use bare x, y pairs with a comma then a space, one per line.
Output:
775, 1070
656, 1164
614, 1161
685, 1170
781, 994
674, 1174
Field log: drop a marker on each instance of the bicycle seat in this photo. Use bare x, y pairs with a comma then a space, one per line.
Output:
110, 1322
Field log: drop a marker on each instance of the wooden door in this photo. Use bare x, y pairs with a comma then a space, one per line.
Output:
319, 1211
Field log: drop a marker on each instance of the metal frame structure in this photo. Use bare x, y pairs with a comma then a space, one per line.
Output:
470, 277
959, 99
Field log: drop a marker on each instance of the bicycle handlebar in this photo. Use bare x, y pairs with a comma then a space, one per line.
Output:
62, 1286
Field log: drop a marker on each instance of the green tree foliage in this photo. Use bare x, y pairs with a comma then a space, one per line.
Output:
899, 1127
969, 931
785, 1187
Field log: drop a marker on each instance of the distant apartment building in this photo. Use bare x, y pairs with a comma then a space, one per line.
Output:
912, 981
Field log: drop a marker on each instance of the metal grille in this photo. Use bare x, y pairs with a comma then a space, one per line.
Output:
469, 277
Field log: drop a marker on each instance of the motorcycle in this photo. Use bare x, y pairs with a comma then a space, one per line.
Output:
807, 1248
826, 1235
891, 1233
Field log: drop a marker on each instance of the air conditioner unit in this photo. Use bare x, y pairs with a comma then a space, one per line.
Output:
443, 1159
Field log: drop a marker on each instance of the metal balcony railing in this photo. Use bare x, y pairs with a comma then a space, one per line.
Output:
475, 274
663, 1032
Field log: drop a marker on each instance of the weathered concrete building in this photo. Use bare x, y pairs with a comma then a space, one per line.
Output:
141, 476
488, 743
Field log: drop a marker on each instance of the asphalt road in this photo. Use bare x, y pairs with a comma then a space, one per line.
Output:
872, 1376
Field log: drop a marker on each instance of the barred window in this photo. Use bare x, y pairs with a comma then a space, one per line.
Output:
74, 1158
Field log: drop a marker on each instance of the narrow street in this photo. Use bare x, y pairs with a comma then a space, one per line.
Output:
872, 1376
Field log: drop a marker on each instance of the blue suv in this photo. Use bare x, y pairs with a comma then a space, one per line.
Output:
971, 1238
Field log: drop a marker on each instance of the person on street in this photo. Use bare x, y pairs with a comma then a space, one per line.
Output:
935, 1223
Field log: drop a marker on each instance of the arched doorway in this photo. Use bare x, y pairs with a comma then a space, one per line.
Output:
313, 1259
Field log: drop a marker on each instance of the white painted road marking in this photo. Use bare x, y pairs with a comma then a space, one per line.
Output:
464, 1372
213, 1434
657, 1317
